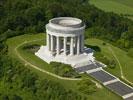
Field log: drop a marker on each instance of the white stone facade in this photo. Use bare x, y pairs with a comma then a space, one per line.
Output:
65, 42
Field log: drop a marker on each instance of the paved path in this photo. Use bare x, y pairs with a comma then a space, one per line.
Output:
108, 80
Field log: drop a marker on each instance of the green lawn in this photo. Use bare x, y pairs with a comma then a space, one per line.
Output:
125, 2
103, 93
116, 6
125, 61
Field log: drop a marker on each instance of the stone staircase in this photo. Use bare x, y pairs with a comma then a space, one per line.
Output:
108, 80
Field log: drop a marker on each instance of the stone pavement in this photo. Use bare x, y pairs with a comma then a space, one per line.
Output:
108, 80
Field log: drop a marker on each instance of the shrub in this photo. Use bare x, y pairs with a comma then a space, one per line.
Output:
112, 64
130, 52
64, 70
104, 43
87, 86
109, 62
31, 48
95, 48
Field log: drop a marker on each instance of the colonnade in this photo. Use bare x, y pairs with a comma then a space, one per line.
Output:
65, 45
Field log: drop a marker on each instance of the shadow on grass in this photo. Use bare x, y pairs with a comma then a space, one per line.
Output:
95, 48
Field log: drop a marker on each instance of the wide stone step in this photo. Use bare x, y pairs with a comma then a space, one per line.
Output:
130, 98
114, 84
102, 76
85, 68
120, 88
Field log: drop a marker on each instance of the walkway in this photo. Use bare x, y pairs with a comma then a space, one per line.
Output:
108, 80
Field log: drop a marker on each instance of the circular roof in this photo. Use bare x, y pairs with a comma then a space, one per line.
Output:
65, 25
66, 22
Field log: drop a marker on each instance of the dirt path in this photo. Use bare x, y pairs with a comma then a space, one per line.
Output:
44, 71
121, 70
33, 66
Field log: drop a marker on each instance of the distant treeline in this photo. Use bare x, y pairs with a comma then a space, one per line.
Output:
30, 16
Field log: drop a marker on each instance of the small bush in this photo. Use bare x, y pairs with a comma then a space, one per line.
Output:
112, 64
32, 48
130, 52
95, 48
87, 86
104, 43
109, 62
64, 70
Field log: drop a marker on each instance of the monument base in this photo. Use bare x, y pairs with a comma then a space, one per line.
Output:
85, 57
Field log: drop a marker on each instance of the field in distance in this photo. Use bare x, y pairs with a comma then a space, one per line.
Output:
124, 7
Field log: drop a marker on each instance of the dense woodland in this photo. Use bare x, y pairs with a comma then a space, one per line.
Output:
19, 83
30, 16
19, 17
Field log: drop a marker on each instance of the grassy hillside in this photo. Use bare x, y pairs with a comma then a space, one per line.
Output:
125, 2
116, 6
125, 61
31, 58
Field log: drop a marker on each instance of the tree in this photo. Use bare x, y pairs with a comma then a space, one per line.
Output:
130, 52
15, 97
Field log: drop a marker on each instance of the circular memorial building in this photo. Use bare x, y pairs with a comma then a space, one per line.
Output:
65, 41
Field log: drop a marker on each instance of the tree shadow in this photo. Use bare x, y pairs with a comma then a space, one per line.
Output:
95, 48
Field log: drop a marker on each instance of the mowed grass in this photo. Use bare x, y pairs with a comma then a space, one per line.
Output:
125, 61
125, 2
116, 6
12, 43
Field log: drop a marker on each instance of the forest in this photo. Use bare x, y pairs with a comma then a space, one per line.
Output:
19, 17
30, 16
17, 82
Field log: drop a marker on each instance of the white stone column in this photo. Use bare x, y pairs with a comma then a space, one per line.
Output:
48, 41
65, 45
57, 45
82, 43
71, 46
52, 40
78, 45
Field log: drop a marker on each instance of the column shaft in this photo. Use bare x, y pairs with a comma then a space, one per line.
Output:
78, 44
48, 41
57, 45
71, 46
65, 45
82, 43
52, 47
